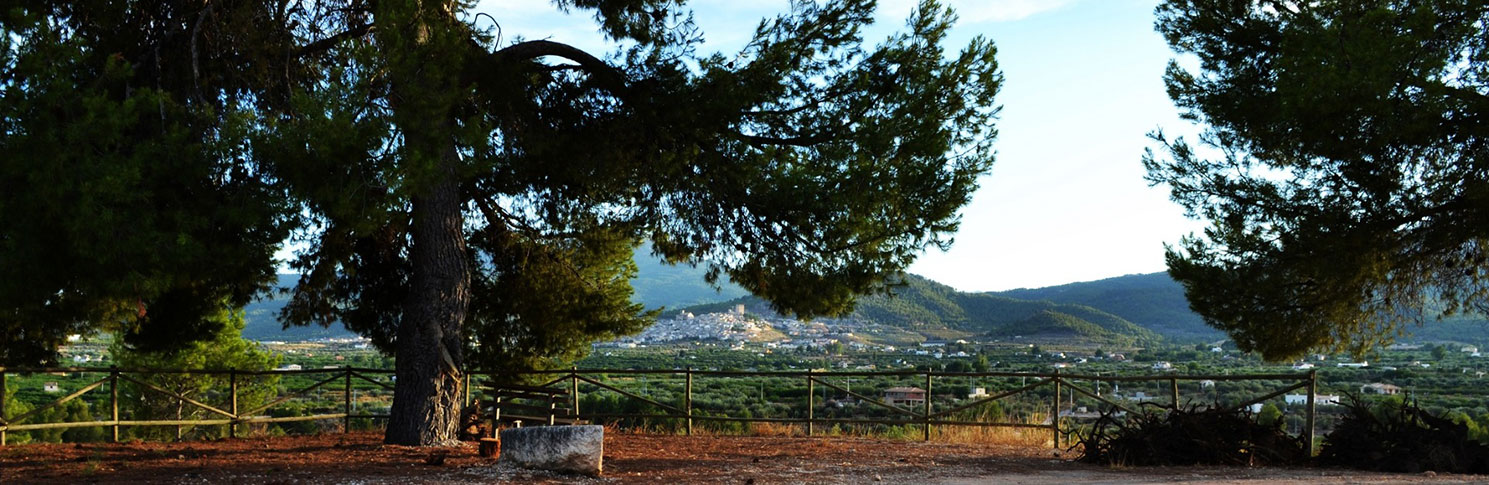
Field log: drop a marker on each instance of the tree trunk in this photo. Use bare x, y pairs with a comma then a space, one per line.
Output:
426, 398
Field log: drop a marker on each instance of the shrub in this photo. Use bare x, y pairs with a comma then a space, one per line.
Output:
1399, 436
1193, 436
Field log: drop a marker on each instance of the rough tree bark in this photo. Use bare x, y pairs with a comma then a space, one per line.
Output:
426, 397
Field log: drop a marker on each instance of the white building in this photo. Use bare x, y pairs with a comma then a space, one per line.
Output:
1318, 399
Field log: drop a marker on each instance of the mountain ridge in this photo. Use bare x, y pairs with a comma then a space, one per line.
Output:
1128, 308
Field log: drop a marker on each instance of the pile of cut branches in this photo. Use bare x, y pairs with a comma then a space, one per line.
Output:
1402, 438
1194, 436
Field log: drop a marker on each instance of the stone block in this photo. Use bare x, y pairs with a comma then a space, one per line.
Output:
574, 449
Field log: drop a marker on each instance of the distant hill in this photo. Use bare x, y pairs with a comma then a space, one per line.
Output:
263, 319
1049, 324
1121, 310
934, 310
1155, 301
657, 285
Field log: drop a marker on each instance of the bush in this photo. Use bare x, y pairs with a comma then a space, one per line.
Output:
1190, 437
1399, 436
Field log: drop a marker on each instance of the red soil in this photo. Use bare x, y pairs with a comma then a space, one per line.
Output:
629, 459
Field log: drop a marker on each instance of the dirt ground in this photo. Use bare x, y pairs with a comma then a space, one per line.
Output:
361, 458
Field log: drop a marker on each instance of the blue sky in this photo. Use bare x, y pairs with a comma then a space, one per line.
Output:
1066, 200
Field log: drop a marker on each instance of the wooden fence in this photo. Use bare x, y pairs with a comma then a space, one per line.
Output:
926, 416
230, 416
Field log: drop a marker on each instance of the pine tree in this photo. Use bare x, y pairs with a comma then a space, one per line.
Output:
1343, 167
473, 202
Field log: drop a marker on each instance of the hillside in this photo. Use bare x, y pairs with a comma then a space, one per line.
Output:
1154, 301
1050, 325
936, 310
263, 323
1133, 308
657, 285
920, 306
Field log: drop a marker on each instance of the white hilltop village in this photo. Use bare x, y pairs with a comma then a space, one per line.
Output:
737, 327
734, 326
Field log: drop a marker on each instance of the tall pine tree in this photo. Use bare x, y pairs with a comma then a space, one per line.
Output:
467, 201
1348, 173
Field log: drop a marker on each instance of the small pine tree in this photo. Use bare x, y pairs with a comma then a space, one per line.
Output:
226, 350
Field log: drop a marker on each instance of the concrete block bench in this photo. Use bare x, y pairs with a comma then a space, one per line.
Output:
573, 449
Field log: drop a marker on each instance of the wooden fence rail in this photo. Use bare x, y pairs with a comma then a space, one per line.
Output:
1064, 384
231, 416
927, 417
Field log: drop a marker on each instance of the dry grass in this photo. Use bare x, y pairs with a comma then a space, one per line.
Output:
970, 435
1008, 436
776, 429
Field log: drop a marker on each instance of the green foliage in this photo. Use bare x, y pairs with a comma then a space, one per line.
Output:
77, 410
443, 179
1330, 235
73, 411
547, 304
227, 349
1154, 301
981, 363
1052, 324
1184, 437
15, 407
752, 222
1400, 436
129, 203
1269, 416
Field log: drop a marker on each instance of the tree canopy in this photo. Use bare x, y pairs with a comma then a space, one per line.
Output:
129, 201
1344, 166
467, 198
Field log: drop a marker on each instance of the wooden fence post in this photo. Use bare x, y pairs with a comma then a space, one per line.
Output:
811, 402
687, 401
1173, 389
232, 384
574, 391
1055, 412
114, 400
927, 417
346, 396
1312, 411
2, 405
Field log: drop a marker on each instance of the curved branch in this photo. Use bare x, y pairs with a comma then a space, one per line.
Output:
610, 78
